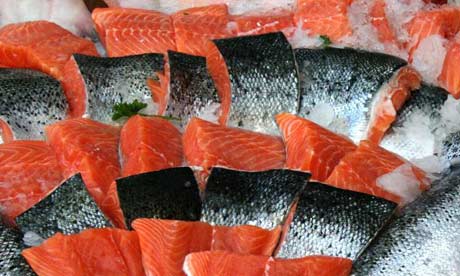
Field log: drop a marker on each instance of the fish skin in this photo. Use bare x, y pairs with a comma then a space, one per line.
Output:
30, 100
166, 194
11, 261
334, 222
451, 147
428, 100
261, 199
263, 77
346, 79
69, 209
423, 241
108, 82
192, 91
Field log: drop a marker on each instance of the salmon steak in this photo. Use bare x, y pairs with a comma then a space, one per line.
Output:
371, 169
105, 251
310, 147
96, 84
165, 194
41, 45
149, 144
25, 92
262, 199
90, 148
30, 171
166, 243
207, 145
225, 263
126, 32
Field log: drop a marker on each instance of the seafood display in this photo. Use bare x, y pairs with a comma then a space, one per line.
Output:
211, 137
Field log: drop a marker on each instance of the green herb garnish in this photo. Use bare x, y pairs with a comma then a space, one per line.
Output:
325, 40
127, 109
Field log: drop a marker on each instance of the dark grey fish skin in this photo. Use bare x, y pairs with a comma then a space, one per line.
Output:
69, 209
166, 194
264, 79
116, 79
346, 81
334, 222
426, 102
11, 261
30, 100
192, 91
261, 199
425, 240
451, 147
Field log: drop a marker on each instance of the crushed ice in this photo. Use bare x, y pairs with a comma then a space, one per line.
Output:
401, 182
428, 58
32, 239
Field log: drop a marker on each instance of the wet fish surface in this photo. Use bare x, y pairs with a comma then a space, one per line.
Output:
261, 199
263, 77
344, 82
115, 80
30, 100
334, 222
423, 109
424, 241
165, 194
192, 91
11, 261
69, 209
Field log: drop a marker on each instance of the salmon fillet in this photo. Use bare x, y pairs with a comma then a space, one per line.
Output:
450, 74
359, 170
90, 148
195, 27
380, 22
40, 45
134, 31
149, 144
225, 263
395, 93
29, 171
106, 251
207, 145
444, 21
165, 243
326, 17
310, 147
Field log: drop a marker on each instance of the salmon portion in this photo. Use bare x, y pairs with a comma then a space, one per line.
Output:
165, 243
107, 251
444, 21
219, 74
29, 171
149, 144
310, 147
159, 90
225, 263
359, 170
90, 148
395, 93
74, 89
134, 31
450, 75
207, 145
195, 27
40, 45
6, 133
265, 23
327, 17
380, 22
